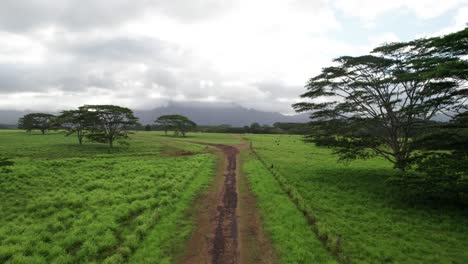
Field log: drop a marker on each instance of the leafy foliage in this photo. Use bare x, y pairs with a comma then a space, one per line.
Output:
40, 121
76, 122
179, 123
441, 171
108, 123
394, 90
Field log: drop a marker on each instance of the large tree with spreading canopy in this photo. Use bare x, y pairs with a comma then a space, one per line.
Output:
373, 105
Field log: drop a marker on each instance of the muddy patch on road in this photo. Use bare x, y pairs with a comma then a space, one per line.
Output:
225, 242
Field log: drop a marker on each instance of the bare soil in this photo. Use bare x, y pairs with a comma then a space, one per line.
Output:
229, 227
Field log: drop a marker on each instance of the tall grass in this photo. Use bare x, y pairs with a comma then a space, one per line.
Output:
291, 236
353, 203
64, 203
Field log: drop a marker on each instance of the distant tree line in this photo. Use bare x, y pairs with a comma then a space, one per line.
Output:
383, 104
98, 123
254, 128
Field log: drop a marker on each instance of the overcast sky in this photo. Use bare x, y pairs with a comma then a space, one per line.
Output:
57, 54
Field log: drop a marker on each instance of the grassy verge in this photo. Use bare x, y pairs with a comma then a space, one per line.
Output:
353, 203
291, 236
65, 203
168, 237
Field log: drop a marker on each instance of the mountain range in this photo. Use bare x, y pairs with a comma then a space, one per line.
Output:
200, 113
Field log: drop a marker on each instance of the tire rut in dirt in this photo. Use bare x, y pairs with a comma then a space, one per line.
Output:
225, 242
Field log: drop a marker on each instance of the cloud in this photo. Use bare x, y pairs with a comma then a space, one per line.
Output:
141, 54
22, 15
459, 22
369, 10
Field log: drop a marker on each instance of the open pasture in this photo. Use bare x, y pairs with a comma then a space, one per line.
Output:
65, 203
352, 204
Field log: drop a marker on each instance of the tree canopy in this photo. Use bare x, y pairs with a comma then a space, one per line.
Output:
107, 123
40, 121
390, 92
76, 122
179, 123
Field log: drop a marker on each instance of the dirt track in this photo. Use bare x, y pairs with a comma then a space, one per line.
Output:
228, 223
225, 243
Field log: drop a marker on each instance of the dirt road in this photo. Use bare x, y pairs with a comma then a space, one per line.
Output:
228, 223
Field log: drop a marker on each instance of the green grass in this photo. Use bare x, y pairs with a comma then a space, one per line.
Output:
175, 227
214, 138
353, 201
291, 236
65, 203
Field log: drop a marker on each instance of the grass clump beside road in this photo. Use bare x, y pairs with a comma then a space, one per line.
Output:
176, 226
64, 203
291, 236
352, 201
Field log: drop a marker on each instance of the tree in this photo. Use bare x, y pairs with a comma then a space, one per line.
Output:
255, 128
76, 121
165, 121
40, 121
179, 123
370, 105
108, 123
441, 171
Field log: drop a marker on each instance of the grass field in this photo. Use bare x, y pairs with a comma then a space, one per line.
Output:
351, 201
65, 203
288, 229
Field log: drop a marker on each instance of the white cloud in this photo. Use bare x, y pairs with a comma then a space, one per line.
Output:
368, 10
144, 53
460, 21
17, 48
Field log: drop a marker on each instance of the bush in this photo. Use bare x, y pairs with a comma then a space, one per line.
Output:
4, 164
438, 177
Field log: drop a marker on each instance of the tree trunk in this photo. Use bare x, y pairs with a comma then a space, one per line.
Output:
43, 131
80, 137
400, 163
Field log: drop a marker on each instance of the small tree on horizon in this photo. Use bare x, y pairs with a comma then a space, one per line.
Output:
108, 123
75, 122
179, 123
39, 121
165, 121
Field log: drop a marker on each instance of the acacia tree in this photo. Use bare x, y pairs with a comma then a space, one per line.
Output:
179, 123
370, 105
76, 121
108, 123
442, 168
40, 121
165, 122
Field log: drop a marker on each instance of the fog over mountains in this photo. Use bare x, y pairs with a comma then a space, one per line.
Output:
200, 113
